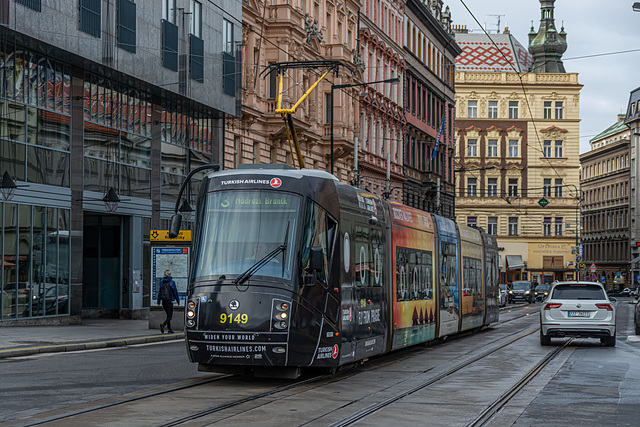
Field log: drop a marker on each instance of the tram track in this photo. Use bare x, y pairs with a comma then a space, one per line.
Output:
320, 381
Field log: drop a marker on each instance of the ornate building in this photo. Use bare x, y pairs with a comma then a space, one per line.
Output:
430, 52
275, 32
381, 113
604, 181
632, 119
518, 150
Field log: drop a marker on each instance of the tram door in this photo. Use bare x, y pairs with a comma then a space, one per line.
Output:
370, 308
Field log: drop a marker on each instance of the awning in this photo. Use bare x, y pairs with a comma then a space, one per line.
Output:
500, 262
514, 262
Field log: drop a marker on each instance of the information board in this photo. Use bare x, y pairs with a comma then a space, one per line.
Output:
175, 259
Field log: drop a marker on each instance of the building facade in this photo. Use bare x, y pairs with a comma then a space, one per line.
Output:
517, 158
430, 52
106, 106
605, 184
298, 31
632, 119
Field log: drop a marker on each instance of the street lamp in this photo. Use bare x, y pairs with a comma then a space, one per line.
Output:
7, 186
394, 80
636, 6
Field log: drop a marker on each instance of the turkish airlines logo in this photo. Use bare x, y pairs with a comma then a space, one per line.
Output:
334, 353
275, 182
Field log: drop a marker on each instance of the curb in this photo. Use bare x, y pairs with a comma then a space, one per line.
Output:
93, 345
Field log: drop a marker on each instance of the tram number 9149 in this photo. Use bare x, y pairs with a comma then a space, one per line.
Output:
231, 318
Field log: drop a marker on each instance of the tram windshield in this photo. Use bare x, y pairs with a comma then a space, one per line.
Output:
239, 228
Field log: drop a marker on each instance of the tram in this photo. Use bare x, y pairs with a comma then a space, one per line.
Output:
293, 269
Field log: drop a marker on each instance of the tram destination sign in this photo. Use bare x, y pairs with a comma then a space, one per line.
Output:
163, 236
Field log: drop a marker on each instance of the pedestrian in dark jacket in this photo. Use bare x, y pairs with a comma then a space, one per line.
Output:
167, 300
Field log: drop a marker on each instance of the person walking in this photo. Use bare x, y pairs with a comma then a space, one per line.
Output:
167, 293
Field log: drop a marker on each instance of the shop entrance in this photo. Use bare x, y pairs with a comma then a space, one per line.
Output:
104, 254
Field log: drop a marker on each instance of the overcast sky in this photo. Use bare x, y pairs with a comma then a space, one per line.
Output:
593, 27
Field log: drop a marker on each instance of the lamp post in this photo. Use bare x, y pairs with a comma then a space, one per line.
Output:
394, 80
636, 6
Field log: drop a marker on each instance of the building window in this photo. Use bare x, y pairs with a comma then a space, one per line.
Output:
546, 188
513, 109
90, 14
546, 226
169, 44
127, 25
546, 148
31, 4
227, 36
513, 148
472, 187
513, 226
558, 226
196, 18
472, 109
492, 225
513, 187
472, 221
492, 187
547, 109
328, 108
558, 149
493, 109
492, 148
559, 110
228, 59
559, 187
169, 10
472, 148
273, 84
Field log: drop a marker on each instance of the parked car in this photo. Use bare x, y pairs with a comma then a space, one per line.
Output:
521, 290
503, 295
578, 309
541, 291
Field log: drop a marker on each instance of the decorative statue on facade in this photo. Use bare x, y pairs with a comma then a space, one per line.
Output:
358, 62
311, 27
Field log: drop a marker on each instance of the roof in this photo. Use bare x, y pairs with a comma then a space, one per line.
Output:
611, 130
480, 54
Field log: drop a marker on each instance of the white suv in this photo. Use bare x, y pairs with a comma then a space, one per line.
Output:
578, 309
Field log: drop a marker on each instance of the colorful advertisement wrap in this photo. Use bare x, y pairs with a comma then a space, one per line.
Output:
472, 295
449, 295
414, 278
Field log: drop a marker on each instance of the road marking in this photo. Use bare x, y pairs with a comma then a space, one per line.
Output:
633, 338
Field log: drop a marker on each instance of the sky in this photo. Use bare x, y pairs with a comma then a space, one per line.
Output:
593, 27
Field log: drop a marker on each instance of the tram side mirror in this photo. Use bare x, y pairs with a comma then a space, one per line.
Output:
174, 225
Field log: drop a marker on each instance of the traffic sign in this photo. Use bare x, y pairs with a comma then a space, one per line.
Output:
581, 265
543, 202
593, 267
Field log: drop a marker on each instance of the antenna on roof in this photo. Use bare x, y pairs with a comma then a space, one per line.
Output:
498, 16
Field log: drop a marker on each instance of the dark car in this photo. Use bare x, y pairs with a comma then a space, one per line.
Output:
541, 291
521, 290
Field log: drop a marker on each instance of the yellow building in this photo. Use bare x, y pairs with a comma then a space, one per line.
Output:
517, 153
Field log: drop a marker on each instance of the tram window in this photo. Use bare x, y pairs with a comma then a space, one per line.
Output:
414, 274
471, 269
320, 231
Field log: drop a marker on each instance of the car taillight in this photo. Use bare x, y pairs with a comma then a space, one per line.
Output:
605, 306
551, 305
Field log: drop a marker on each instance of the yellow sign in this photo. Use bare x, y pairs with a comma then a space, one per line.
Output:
163, 236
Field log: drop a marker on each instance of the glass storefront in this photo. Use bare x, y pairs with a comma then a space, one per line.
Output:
35, 261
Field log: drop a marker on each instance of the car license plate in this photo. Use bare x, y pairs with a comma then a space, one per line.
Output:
578, 314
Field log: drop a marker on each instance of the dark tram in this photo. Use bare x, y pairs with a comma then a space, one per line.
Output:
293, 269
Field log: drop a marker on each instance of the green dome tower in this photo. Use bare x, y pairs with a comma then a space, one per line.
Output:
547, 45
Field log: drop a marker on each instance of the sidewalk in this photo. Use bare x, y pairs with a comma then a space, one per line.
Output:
91, 334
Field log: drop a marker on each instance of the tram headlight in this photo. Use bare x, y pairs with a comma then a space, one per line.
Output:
191, 314
282, 315
283, 306
191, 305
191, 323
280, 324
